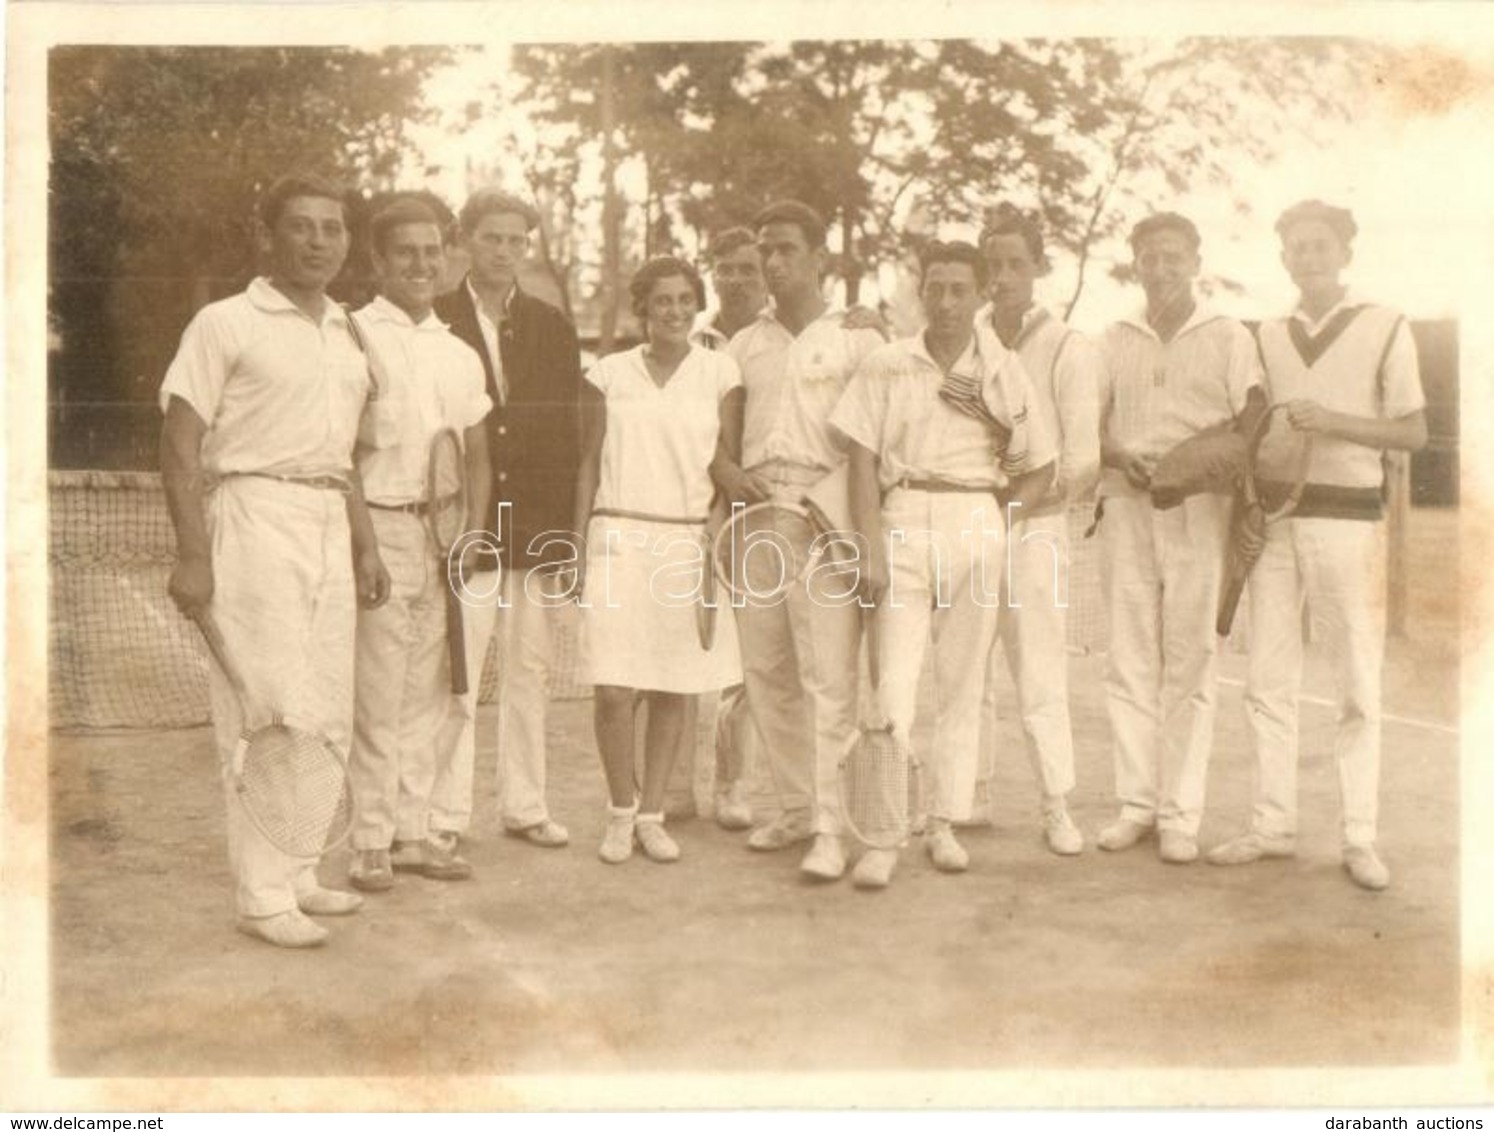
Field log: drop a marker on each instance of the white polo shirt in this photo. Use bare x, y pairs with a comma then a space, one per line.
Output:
1155, 394
892, 407
279, 391
429, 380
793, 383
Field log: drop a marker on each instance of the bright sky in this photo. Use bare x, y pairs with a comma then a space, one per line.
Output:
1421, 204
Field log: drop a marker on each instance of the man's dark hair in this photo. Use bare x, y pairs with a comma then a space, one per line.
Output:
797, 213
1339, 220
398, 213
953, 251
659, 268
1008, 221
293, 185
1166, 222
729, 240
489, 202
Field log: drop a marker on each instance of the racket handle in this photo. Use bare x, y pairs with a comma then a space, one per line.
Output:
214, 638
456, 643
873, 645
1229, 601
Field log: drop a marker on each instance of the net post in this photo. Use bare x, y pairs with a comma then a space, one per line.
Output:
1398, 521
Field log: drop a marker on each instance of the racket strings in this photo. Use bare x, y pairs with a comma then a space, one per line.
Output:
1281, 462
445, 496
878, 789
764, 550
296, 791
447, 521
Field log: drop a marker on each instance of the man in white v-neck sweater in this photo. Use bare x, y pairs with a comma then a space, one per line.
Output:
1347, 372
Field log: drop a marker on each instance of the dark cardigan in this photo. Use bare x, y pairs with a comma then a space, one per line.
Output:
535, 439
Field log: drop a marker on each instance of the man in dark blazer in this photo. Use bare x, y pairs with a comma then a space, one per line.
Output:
533, 368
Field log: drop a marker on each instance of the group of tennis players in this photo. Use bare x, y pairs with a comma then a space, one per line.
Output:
295, 453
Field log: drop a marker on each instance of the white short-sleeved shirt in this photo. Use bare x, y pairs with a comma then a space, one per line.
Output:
793, 383
279, 391
657, 452
1063, 369
892, 407
704, 332
1156, 394
428, 380
1358, 359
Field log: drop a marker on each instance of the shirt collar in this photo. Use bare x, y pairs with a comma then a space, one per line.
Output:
267, 297
508, 300
705, 331
1202, 313
382, 310
1351, 298
832, 313
967, 364
1032, 318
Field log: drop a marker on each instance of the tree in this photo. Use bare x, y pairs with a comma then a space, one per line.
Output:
159, 155
1085, 132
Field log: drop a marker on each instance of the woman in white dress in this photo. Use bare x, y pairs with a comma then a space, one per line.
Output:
652, 424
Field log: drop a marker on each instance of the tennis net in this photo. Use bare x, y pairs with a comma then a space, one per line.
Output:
121, 655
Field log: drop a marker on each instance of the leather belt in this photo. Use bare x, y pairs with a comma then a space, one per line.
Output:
1045, 507
1330, 501
786, 471
321, 483
419, 507
910, 483
646, 517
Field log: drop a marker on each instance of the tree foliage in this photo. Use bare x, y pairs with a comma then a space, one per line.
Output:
1085, 133
158, 157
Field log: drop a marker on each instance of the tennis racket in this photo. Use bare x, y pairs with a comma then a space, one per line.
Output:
880, 777
446, 516
765, 549
1277, 459
705, 612
293, 783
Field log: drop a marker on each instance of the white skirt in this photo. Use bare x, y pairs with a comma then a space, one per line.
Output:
639, 610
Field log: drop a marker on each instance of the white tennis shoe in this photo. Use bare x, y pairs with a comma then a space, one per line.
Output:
826, 859
1365, 868
1060, 832
329, 902
617, 842
288, 929
656, 844
1251, 847
874, 870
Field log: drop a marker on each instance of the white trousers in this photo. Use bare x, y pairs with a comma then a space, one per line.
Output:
735, 738
946, 566
732, 737
800, 674
402, 688
1032, 628
525, 629
1162, 575
284, 599
1338, 568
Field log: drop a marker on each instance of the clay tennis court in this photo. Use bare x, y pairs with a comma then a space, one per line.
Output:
549, 961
